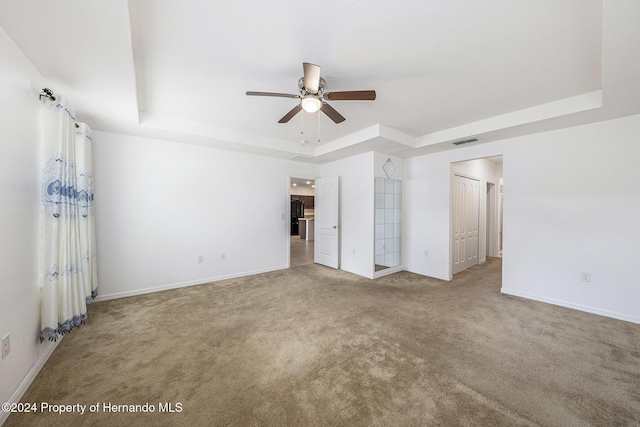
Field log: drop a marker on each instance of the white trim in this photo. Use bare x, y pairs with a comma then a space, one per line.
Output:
579, 307
387, 271
428, 274
357, 273
492, 234
33, 373
184, 284
562, 107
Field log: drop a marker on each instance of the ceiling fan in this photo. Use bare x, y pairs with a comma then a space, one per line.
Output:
312, 95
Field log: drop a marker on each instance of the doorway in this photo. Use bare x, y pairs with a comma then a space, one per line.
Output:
476, 212
500, 220
301, 222
491, 215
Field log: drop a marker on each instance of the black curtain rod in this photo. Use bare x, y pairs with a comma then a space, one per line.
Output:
48, 93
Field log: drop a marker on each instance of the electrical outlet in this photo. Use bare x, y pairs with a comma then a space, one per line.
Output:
353, 251
200, 259
426, 253
585, 277
223, 256
6, 346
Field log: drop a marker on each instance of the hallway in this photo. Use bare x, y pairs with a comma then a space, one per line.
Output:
301, 251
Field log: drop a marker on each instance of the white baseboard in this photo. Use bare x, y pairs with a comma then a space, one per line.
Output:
567, 304
428, 273
182, 284
357, 273
33, 373
387, 271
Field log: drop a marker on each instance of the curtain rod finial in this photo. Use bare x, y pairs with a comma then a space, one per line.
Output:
46, 92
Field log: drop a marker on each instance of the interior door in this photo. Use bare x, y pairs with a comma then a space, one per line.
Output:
327, 227
466, 210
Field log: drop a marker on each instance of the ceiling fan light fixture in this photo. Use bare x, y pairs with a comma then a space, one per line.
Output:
310, 103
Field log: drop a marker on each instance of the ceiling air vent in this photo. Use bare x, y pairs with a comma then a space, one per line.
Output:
464, 140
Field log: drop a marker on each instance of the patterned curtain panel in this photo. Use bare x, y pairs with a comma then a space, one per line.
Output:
68, 248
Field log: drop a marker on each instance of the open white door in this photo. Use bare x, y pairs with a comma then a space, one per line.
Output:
327, 227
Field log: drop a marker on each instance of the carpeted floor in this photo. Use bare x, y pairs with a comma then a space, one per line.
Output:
314, 346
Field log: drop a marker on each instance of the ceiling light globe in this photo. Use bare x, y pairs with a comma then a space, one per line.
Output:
310, 103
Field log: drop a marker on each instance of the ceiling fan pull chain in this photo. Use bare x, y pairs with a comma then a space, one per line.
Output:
303, 141
318, 114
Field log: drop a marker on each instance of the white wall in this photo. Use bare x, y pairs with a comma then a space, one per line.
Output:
571, 202
575, 195
20, 113
161, 204
356, 211
380, 159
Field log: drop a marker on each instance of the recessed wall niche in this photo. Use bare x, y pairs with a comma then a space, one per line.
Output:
388, 223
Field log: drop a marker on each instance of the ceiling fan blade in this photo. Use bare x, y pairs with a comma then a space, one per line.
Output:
351, 95
332, 113
311, 77
295, 110
283, 95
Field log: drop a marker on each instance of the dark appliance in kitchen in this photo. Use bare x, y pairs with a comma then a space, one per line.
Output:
297, 211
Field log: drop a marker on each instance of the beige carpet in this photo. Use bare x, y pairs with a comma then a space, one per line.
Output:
314, 346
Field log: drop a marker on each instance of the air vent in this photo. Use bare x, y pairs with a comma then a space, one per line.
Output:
464, 140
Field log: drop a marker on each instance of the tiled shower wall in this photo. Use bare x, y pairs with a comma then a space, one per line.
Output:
388, 222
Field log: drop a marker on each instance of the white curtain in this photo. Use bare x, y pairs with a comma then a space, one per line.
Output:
68, 246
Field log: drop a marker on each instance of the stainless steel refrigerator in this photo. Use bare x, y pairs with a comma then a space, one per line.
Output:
297, 211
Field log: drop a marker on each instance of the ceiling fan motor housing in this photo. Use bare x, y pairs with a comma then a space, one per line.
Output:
304, 91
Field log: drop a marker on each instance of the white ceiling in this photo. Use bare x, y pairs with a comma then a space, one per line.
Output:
302, 182
442, 70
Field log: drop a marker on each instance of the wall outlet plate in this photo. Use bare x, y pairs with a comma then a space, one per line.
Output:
585, 277
6, 346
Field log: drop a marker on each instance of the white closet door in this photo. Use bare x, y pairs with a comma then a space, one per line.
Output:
466, 210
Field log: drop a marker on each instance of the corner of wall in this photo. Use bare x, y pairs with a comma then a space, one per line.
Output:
28, 379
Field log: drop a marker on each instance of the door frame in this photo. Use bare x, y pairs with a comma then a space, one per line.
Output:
492, 232
498, 181
287, 213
